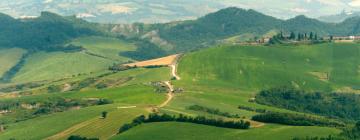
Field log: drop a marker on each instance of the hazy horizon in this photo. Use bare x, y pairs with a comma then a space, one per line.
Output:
150, 11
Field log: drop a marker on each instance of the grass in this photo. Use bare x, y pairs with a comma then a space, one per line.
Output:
228, 76
188, 131
49, 125
109, 48
254, 68
56, 65
9, 58
100, 53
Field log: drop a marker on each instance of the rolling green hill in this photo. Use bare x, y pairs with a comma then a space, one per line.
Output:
231, 22
165, 131
316, 67
9, 58
48, 32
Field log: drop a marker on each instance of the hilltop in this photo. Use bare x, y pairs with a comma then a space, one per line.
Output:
231, 23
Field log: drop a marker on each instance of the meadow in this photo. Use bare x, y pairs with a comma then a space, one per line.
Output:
9, 58
180, 131
78, 121
99, 54
225, 77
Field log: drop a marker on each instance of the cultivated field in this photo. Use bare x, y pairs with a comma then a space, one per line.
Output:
164, 61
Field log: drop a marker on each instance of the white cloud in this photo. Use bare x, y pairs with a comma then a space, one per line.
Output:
331, 2
355, 3
299, 10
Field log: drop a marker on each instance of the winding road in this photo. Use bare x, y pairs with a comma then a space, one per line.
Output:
170, 94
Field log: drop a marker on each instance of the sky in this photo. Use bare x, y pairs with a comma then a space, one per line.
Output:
168, 10
290, 8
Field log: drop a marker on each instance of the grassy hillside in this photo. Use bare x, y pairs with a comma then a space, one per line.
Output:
227, 77
51, 66
84, 119
9, 58
109, 48
316, 67
165, 131
99, 54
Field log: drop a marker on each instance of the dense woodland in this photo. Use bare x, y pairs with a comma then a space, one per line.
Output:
336, 105
296, 119
154, 117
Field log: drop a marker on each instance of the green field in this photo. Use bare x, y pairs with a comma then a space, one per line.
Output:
181, 131
315, 67
49, 125
9, 58
225, 77
108, 48
100, 53
51, 66
222, 78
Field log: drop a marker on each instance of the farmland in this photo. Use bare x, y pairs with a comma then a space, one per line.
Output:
99, 54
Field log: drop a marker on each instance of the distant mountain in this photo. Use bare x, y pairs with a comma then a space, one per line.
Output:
231, 22
339, 17
220, 25
47, 32
114, 11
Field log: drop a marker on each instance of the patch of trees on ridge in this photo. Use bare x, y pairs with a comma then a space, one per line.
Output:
25, 109
154, 117
213, 111
334, 105
295, 119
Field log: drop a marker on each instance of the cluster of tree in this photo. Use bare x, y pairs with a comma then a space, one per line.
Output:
330, 137
335, 105
154, 66
25, 109
252, 109
352, 133
118, 67
160, 87
213, 111
49, 32
80, 138
349, 133
182, 118
145, 50
295, 119
77, 86
280, 37
19, 87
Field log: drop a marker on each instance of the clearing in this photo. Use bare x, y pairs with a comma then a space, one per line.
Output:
164, 61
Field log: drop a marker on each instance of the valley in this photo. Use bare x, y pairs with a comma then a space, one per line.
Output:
211, 78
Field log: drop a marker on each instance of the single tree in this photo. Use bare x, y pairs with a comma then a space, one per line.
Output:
104, 114
292, 36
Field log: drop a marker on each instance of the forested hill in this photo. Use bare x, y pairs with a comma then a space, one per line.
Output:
47, 32
230, 22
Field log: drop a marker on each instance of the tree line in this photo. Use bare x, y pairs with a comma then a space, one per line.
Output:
295, 119
154, 117
281, 37
213, 111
